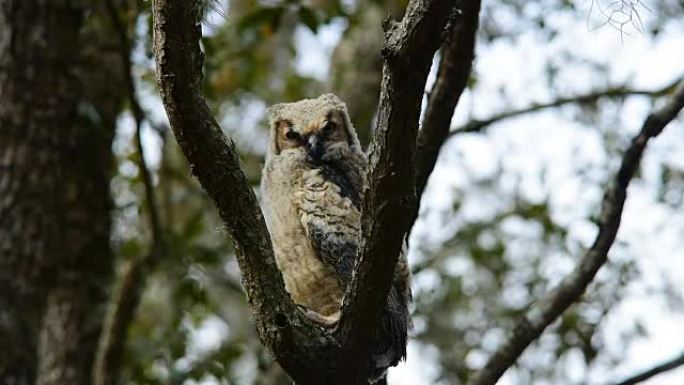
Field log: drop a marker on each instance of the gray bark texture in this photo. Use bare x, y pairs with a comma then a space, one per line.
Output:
309, 353
55, 161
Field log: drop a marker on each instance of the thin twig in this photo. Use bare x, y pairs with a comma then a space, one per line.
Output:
542, 313
654, 371
478, 125
139, 117
126, 299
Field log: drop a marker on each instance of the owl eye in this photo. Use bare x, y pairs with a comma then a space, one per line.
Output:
292, 135
329, 127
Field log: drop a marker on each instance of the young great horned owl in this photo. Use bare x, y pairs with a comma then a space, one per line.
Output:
312, 185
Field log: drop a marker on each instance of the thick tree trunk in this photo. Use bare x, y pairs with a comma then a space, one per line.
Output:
55, 155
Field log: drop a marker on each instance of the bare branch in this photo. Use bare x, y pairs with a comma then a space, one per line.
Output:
478, 125
139, 117
654, 371
125, 301
299, 346
305, 350
570, 289
390, 205
107, 364
452, 77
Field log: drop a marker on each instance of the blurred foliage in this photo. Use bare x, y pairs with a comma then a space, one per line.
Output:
470, 283
489, 271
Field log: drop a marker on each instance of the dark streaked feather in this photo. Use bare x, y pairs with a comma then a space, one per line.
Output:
334, 249
338, 250
338, 177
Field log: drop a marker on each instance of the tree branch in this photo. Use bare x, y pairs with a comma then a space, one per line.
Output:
452, 77
305, 350
215, 163
658, 369
571, 288
125, 301
478, 125
309, 353
390, 205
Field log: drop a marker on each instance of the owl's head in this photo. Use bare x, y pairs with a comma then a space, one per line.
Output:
316, 128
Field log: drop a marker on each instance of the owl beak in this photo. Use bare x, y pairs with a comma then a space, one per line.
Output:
315, 148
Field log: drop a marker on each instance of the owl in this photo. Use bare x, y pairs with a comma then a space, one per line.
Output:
312, 186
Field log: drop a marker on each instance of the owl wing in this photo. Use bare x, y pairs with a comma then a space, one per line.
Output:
329, 214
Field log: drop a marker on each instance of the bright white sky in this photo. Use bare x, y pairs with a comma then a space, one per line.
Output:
651, 231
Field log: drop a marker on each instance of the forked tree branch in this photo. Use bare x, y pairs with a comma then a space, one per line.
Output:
293, 339
570, 289
309, 353
477, 125
455, 64
654, 371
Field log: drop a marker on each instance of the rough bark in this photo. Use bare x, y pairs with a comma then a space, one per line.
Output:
390, 202
547, 309
55, 139
303, 350
309, 353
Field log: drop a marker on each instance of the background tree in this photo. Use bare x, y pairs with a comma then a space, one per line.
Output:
57, 121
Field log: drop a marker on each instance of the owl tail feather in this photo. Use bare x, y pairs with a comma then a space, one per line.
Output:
390, 336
